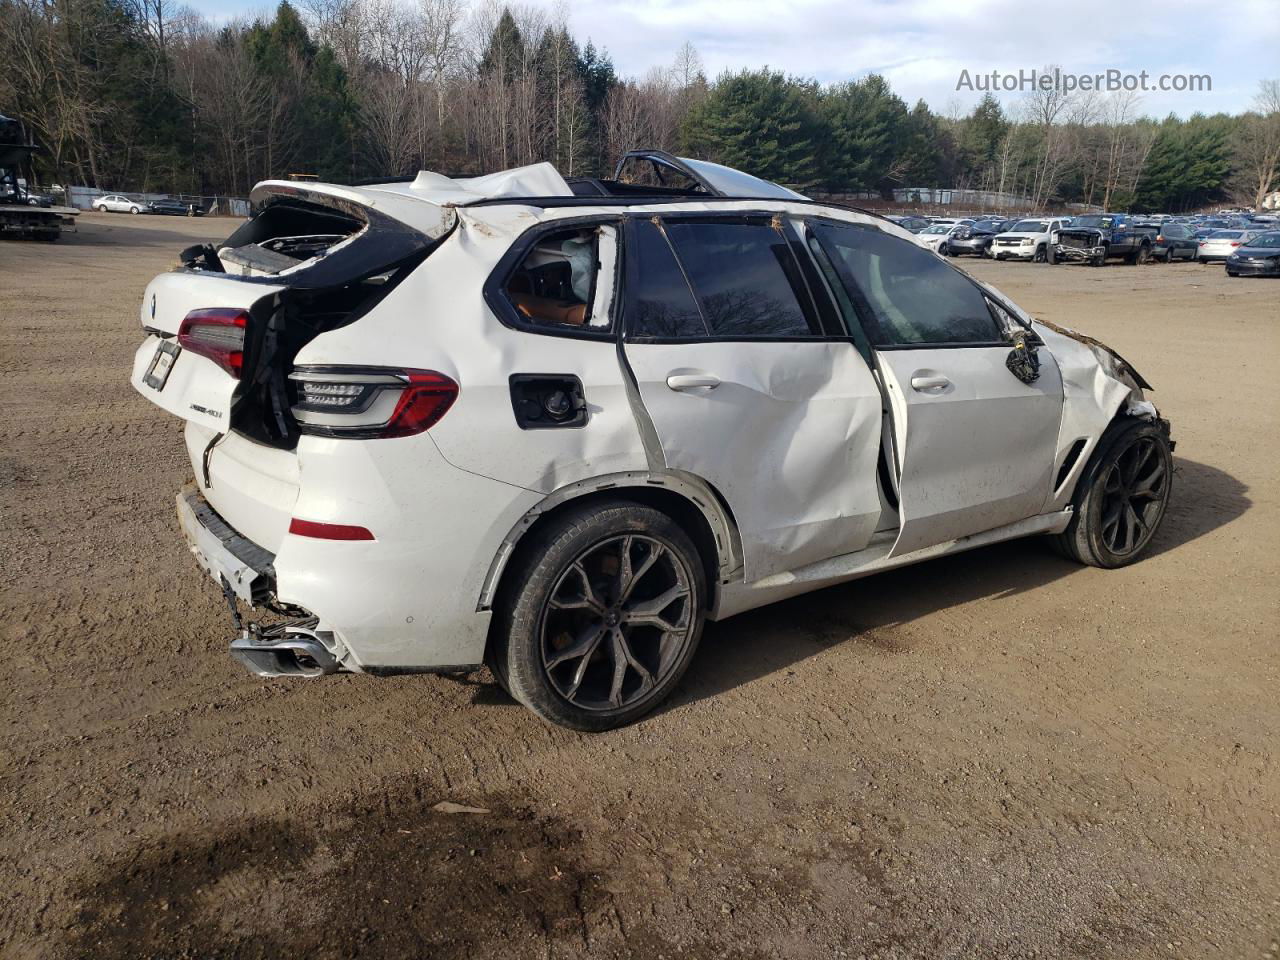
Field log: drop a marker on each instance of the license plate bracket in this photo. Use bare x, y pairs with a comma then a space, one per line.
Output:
161, 364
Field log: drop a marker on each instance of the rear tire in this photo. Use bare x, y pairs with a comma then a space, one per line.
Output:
1122, 496
599, 616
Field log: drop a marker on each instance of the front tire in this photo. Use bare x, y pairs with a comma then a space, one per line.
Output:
1122, 496
135, 211
1041, 254
599, 616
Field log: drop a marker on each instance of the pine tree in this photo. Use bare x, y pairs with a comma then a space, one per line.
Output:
759, 121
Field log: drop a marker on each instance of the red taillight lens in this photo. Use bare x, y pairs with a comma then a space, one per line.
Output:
427, 398
369, 402
1235, 243
216, 333
328, 531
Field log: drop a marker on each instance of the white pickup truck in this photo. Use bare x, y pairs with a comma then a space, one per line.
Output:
1028, 240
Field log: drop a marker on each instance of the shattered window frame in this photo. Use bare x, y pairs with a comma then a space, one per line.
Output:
495, 287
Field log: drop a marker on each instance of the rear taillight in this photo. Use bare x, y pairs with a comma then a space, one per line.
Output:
216, 333
369, 402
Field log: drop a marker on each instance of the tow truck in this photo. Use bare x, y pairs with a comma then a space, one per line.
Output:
22, 212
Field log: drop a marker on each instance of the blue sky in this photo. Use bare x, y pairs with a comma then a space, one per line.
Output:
922, 45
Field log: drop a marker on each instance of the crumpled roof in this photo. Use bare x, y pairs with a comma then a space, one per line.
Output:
535, 180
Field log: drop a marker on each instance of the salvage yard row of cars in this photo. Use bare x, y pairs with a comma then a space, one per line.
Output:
554, 425
1247, 246
119, 203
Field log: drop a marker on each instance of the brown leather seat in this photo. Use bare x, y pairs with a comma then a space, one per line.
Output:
546, 310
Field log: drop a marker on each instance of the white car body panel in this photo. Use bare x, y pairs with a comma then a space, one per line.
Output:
931, 241
196, 390
976, 453
1023, 244
790, 438
1219, 248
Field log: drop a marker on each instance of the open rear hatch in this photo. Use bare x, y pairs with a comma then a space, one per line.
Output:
222, 332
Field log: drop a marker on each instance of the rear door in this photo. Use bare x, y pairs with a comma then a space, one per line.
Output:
750, 383
974, 445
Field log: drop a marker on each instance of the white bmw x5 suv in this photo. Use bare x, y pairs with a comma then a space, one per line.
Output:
554, 426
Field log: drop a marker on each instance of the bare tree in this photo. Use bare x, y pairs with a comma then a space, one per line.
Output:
1257, 146
1046, 109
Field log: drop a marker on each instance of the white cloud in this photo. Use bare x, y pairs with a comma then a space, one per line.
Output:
922, 45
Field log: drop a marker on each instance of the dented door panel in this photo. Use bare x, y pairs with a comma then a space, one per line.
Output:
976, 445
789, 436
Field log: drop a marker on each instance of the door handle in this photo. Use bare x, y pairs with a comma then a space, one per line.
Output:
929, 383
692, 381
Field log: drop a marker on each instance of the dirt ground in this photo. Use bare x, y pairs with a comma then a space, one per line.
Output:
995, 755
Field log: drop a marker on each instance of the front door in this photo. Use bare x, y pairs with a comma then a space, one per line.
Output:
750, 384
974, 445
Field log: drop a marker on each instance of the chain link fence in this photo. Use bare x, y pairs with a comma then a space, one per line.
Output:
210, 206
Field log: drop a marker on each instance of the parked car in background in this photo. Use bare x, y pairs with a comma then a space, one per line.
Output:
910, 224
1222, 243
117, 203
1030, 239
178, 208
1175, 241
501, 420
1257, 257
971, 238
932, 236
1096, 238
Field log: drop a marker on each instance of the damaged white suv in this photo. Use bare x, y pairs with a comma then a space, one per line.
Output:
554, 426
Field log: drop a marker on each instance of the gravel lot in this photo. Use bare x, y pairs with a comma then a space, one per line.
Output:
993, 755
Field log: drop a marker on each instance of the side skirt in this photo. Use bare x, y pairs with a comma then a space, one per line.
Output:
740, 597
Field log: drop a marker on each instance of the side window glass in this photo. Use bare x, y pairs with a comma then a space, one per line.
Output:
910, 296
659, 301
836, 286
566, 279
745, 277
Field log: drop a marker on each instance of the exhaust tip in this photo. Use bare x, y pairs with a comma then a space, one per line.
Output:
296, 653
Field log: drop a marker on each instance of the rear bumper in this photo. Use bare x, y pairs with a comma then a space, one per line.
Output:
405, 602
222, 552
